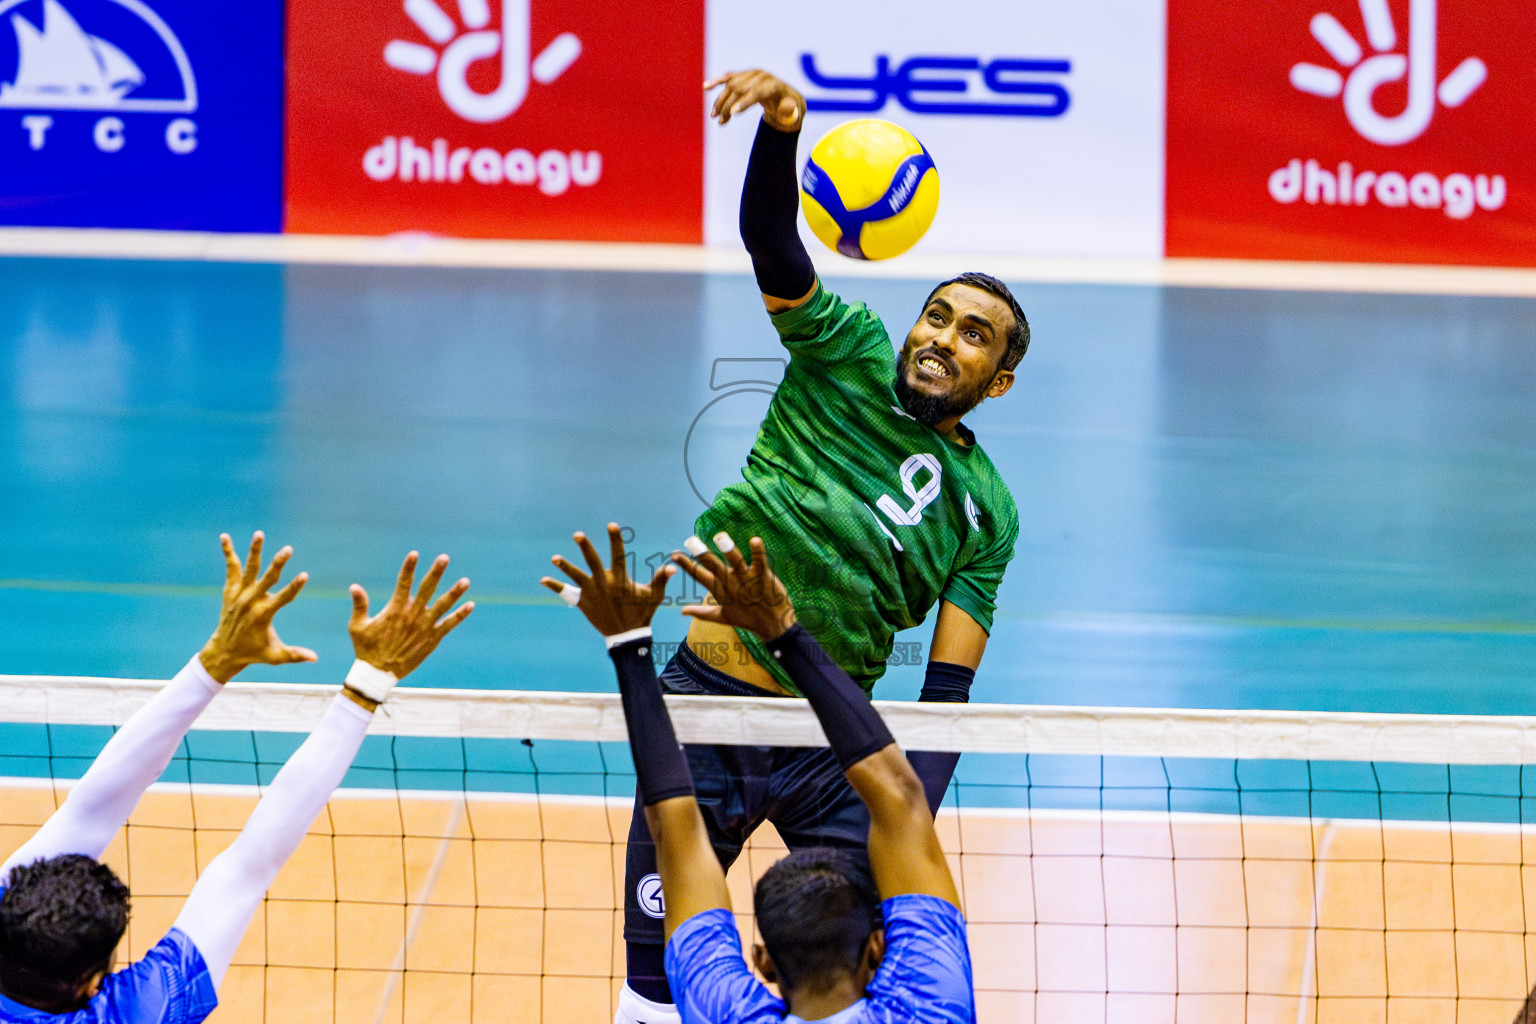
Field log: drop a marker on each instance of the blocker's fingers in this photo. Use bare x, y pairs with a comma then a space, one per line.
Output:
721, 80
760, 563
616, 548
590, 554
433, 577
231, 560
704, 576
403, 581
706, 612
274, 571
659, 581
253, 559
359, 606
732, 553
291, 591
291, 654
712, 564
441, 605
451, 623
582, 579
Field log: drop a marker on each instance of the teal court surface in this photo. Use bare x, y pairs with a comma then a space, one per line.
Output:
1228, 498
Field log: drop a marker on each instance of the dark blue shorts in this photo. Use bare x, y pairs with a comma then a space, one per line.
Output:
802, 790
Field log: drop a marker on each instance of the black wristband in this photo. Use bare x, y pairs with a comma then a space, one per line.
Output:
770, 206
661, 767
944, 683
947, 683
854, 728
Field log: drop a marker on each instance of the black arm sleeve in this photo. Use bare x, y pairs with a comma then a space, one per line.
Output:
944, 683
854, 728
661, 767
770, 204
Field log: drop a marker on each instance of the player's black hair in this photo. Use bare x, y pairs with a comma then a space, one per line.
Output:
816, 909
60, 920
1018, 338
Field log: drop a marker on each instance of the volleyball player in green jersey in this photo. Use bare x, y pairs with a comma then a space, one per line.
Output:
878, 505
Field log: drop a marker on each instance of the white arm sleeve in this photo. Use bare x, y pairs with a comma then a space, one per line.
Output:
99, 804
229, 891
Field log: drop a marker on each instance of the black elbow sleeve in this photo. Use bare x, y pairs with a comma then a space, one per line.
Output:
770, 206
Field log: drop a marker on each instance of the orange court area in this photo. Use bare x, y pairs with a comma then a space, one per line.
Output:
428, 908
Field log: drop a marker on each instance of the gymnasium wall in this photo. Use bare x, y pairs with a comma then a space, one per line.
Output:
1357, 130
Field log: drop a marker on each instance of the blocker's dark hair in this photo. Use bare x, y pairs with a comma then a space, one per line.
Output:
60, 920
1018, 337
816, 909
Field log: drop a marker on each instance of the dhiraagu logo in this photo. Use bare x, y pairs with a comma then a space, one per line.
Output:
113, 57
456, 44
1371, 73
474, 42
1457, 195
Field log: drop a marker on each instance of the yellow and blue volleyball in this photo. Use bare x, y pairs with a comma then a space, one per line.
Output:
869, 190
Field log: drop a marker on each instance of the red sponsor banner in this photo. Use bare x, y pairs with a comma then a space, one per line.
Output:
496, 118
1358, 130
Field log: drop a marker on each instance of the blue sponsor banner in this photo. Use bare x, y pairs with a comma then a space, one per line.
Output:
141, 114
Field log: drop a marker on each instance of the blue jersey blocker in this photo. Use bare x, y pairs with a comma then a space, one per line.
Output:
925, 975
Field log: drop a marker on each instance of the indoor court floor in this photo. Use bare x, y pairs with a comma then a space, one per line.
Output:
1228, 499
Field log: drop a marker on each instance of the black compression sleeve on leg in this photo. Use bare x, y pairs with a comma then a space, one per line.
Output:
944, 684
854, 728
661, 767
770, 204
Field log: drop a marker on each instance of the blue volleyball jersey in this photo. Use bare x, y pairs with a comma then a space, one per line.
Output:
925, 975
171, 985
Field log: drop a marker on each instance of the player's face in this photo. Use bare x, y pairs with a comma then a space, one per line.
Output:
953, 353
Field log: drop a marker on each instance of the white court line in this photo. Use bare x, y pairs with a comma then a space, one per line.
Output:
419, 912
424, 250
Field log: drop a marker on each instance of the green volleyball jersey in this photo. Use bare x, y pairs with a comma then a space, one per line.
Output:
868, 516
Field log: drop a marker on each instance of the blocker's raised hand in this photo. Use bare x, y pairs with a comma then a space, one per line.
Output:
407, 629
747, 596
783, 106
245, 634
610, 600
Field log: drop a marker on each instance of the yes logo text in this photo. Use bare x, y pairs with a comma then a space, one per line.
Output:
965, 86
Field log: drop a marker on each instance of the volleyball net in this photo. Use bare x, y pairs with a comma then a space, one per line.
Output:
1115, 864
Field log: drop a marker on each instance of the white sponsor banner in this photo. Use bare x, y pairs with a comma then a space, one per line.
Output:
1044, 119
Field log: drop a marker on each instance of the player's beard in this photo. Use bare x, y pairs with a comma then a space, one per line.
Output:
930, 408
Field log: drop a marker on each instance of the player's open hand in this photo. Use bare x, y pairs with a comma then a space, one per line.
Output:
610, 600
245, 634
783, 106
407, 629
747, 595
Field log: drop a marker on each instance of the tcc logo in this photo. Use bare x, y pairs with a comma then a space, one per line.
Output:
463, 49
62, 67
922, 86
1370, 74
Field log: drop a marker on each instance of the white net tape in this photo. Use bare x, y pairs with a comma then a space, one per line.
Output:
971, 728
